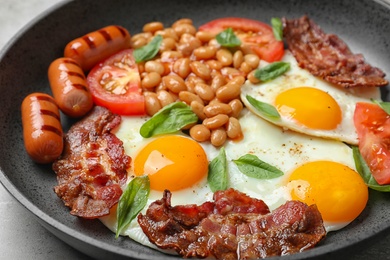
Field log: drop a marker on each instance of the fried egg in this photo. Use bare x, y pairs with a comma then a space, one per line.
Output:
308, 104
287, 150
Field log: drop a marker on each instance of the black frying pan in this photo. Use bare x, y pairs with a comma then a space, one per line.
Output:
363, 24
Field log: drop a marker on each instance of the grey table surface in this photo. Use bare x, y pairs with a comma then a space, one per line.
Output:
21, 236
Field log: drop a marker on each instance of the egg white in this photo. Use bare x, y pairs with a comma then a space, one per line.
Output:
297, 77
281, 148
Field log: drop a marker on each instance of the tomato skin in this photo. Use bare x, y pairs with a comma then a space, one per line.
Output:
118, 70
256, 35
372, 124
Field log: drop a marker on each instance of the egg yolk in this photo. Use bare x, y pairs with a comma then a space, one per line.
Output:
338, 191
311, 107
171, 162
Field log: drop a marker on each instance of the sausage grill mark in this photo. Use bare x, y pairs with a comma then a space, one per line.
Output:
106, 35
89, 40
49, 113
44, 98
52, 129
122, 31
70, 61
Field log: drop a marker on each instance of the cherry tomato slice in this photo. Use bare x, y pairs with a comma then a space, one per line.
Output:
372, 124
115, 84
255, 36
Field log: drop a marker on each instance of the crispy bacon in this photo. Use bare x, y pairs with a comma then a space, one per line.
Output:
93, 165
328, 57
236, 232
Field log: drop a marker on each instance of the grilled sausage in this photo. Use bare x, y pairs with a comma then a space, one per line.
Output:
69, 87
42, 131
96, 46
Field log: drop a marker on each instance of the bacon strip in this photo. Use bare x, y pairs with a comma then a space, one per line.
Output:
328, 57
232, 233
93, 165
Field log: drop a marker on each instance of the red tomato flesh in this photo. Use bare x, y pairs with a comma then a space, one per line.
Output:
372, 124
255, 35
115, 84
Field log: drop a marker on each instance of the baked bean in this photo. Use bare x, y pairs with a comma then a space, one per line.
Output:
215, 65
225, 57
138, 43
168, 33
171, 56
214, 101
215, 121
151, 80
204, 36
182, 28
229, 91
236, 106
252, 60
182, 67
154, 66
245, 67
174, 83
204, 52
143, 35
204, 91
238, 58
181, 21
200, 133
230, 72
189, 97
218, 137
197, 108
191, 81
238, 80
201, 70
152, 104
153, 27
167, 44
217, 108
164, 97
233, 129
251, 77
214, 42
217, 82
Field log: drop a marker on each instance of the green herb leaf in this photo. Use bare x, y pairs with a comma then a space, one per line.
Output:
132, 201
266, 110
384, 105
277, 28
252, 166
148, 51
272, 71
227, 38
170, 119
364, 171
218, 173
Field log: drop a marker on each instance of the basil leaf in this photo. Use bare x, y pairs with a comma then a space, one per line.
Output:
218, 174
266, 110
364, 171
132, 201
169, 119
227, 38
252, 166
148, 51
272, 71
277, 28
384, 105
